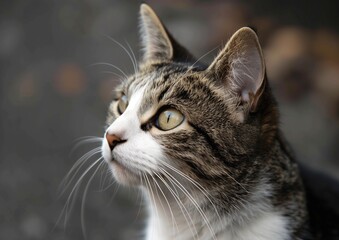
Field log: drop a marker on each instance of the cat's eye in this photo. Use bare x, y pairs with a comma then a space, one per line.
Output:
122, 104
169, 119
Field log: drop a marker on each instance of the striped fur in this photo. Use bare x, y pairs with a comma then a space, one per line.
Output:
224, 173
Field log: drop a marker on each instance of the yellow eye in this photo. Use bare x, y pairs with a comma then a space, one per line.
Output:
122, 104
169, 119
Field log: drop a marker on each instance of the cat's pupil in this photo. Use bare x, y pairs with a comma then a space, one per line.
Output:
168, 117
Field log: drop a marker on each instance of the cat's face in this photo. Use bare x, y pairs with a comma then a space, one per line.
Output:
154, 119
160, 116
173, 117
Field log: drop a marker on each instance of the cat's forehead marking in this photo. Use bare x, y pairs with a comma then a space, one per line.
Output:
138, 91
158, 84
127, 124
136, 99
139, 81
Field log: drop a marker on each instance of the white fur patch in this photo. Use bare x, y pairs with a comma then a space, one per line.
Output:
140, 151
269, 226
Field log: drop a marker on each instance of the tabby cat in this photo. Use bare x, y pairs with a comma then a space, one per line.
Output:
203, 143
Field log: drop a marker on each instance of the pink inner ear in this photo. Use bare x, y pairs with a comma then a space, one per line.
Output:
245, 96
247, 70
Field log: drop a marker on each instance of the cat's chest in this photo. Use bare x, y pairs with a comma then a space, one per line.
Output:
267, 227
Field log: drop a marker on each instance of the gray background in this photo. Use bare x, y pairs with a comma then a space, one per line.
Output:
51, 96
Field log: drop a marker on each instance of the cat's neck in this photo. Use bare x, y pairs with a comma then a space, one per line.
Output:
181, 219
173, 216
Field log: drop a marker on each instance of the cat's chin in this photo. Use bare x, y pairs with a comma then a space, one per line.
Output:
123, 175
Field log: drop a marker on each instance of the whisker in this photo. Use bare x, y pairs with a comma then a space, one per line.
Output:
88, 137
80, 179
83, 140
196, 184
140, 201
140, 205
120, 78
151, 190
110, 65
204, 55
192, 66
77, 165
85, 156
83, 227
116, 190
163, 194
182, 207
71, 198
167, 202
133, 55
101, 178
127, 52
152, 197
108, 174
193, 201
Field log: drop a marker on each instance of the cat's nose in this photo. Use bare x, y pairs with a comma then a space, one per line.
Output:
113, 140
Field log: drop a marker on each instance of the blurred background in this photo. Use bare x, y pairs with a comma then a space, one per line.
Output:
52, 96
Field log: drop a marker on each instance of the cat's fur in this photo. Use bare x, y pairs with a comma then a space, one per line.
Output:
225, 172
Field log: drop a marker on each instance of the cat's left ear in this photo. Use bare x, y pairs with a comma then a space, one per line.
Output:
240, 68
157, 42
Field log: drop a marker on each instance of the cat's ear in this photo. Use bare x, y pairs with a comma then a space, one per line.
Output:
240, 68
157, 42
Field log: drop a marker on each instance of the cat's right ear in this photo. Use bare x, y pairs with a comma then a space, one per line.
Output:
157, 42
240, 69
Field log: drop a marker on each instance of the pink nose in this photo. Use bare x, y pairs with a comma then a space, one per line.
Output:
113, 140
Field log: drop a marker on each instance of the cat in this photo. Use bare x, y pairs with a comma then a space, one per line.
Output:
203, 143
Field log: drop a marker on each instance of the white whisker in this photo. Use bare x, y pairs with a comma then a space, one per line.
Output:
84, 140
195, 184
200, 58
74, 189
127, 52
151, 198
181, 205
83, 227
133, 55
193, 201
77, 165
169, 206
120, 78
111, 65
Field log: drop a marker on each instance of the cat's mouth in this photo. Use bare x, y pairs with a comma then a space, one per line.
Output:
118, 164
123, 173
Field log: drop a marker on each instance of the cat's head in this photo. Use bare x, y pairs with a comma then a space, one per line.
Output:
176, 116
